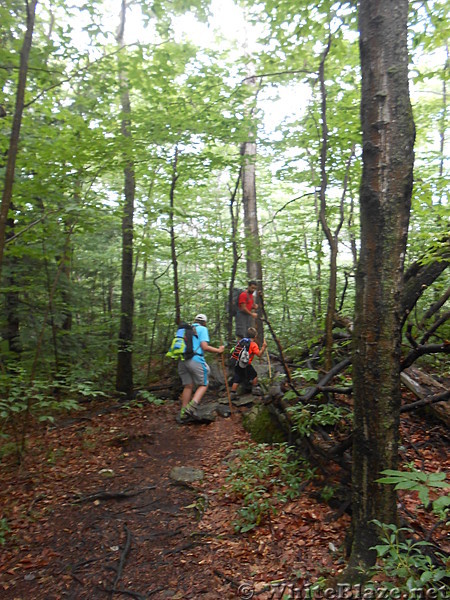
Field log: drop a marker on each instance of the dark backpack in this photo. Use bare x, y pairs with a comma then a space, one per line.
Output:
181, 347
234, 307
240, 355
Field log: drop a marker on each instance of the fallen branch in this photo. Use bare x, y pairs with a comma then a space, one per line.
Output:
36, 499
104, 495
346, 391
155, 591
313, 391
83, 563
428, 391
180, 548
123, 558
229, 580
341, 447
126, 592
278, 343
442, 397
159, 388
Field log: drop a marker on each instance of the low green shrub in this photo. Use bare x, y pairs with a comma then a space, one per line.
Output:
405, 567
261, 478
22, 401
4, 528
403, 562
306, 417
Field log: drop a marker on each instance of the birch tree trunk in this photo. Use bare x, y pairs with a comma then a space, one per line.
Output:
124, 374
385, 198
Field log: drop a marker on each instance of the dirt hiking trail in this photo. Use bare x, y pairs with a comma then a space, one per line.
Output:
95, 513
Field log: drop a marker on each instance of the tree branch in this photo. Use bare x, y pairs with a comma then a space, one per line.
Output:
435, 327
442, 397
422, 350
420, 276
435, 307
278, 73
287, 204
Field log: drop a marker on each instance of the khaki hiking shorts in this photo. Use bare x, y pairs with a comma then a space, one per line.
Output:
193, 372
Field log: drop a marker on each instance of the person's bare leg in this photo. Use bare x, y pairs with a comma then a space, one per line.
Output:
199, 393
186, 394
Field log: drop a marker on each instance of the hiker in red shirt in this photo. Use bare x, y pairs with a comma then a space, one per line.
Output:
247, 375
246, 312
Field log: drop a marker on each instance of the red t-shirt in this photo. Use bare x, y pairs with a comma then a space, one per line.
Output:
247, 299
252, 350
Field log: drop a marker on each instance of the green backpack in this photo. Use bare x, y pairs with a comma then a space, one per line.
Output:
181, 347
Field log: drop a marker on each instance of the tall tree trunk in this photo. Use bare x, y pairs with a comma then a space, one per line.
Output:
66, 325
332, 284
385, 198
282, 280
316, 243
145, 296
443, 122
17, 122
11, 332
234, 219
124, 375
332, 236
173, 246
251, 229
253, 246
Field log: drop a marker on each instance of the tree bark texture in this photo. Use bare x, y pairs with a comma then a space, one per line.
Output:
234, 220
251, 228
173, 244
252, 240
332, 241
253, 246
385, 198
124, 375
17, 122
11, 332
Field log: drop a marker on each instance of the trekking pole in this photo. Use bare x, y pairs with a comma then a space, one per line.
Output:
268, 364
226, 382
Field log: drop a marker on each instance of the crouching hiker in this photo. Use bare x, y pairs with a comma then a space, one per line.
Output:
195, 371
244, 352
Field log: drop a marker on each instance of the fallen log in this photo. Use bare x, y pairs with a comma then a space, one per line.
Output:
426, 388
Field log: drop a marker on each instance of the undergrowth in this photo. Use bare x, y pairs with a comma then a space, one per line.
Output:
262, 477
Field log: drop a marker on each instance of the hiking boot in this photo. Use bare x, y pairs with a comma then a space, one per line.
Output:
188, 412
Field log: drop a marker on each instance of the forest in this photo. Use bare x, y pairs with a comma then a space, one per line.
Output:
156, 157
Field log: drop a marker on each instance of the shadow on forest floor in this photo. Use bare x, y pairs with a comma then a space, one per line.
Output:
94, 512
